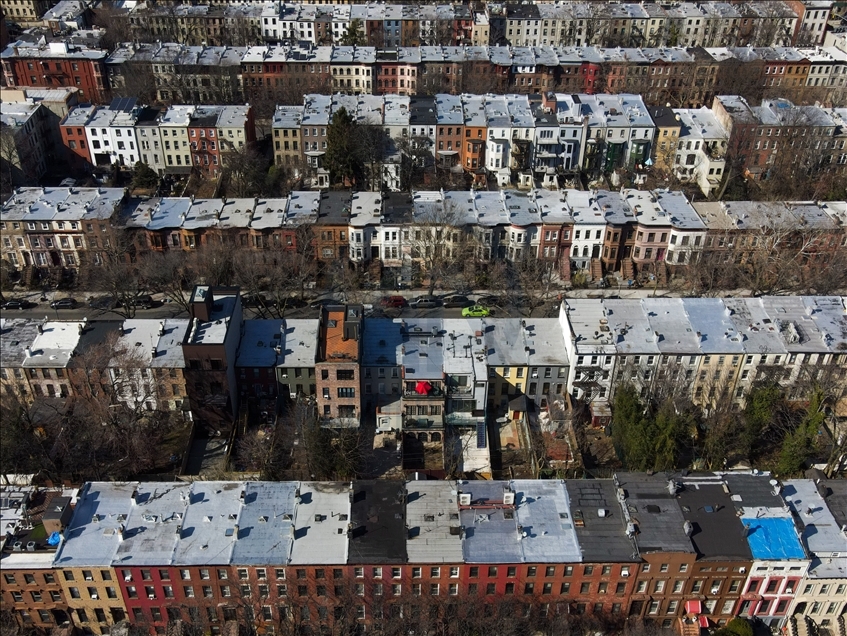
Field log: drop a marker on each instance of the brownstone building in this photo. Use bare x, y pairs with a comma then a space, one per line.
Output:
210, 348
337, 368
57, 64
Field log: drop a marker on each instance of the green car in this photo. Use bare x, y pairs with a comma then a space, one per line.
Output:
476, 311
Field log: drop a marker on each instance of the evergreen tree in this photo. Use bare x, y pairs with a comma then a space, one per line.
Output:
342, 157
799, 444
354, 35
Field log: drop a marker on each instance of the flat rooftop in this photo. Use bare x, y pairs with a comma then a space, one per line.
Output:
209, 529
321, 521
544, 514
153, 525
54, 346
379, 530
651, 503
602, 539
773, 538
821, 535
432, 515
491, 527
266, 524
717, 530
94, 543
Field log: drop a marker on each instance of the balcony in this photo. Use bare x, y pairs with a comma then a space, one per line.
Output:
464, 418
340, 422
434, 392
423, 422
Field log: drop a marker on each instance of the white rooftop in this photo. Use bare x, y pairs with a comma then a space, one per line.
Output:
55, 344
321, 520
95, 543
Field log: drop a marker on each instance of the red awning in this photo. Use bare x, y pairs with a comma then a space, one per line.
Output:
423, 388
704, 621
693, 607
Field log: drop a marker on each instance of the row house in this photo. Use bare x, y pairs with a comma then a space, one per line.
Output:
708, 349
28, 142
352, 70
259, 223
210, 348
56, 228
620, 132
396, 71
103, 136
812, 19
173, 130
286, 136
755, 133
276, 72
57, 64
741, 229
631, 232
701, 147
142, 361
826, 68
820, 596
32, 594
175, 140
316, 119
26, 12
177, 72
661, 74
149, 364
674, 549
196, 24
338, 365
564, 23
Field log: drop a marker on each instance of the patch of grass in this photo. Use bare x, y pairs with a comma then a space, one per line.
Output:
38, 533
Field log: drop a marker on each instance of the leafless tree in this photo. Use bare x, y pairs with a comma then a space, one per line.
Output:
438, 242
169, 273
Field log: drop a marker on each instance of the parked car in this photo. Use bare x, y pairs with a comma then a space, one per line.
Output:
424, 302
144, 301
64, 303
488, 301
457, 301
290, 302
476, 311
393, 301
254, 300
101, 302
16, 303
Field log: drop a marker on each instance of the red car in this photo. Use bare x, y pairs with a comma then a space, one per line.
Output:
393, 301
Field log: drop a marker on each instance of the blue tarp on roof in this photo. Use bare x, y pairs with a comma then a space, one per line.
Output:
773, 538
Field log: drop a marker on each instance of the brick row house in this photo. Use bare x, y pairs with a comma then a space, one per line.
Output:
567, 23
683, 75
53, 231
57, 64
174, 140
677, 550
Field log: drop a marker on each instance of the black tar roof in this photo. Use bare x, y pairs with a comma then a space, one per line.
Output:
836, 499
601, 539
335, 207
754, 491
96, 332
422, 110
718, 532
663, 116
379, 525
397, 207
